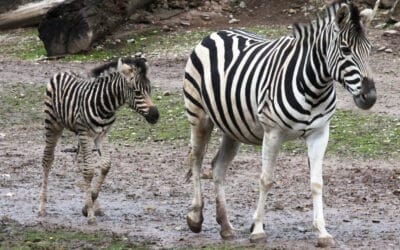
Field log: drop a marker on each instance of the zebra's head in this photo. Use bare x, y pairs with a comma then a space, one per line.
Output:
348, 55
138, 89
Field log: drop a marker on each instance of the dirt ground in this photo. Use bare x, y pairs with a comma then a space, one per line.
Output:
146, 199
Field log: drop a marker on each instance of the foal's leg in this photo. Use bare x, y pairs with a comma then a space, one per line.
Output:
317, 143
271, 143
53, 133
200, 134
88, 173
225, 155
102, 145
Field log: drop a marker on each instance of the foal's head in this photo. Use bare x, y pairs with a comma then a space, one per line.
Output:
138, 88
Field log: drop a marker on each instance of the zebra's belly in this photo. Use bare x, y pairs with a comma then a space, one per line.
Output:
239, 125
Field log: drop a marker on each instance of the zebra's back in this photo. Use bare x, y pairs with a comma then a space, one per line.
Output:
242, 80
222, 76
74, 102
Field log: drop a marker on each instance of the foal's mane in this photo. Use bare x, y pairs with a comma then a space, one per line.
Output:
139, 63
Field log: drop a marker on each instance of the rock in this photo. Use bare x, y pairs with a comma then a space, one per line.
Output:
167, 93
389, 51
381, 48
380, 26
397, 25
132, 40
292, 11
233, 20
166, 28
185, 23
390, 32
242, 5
205, 17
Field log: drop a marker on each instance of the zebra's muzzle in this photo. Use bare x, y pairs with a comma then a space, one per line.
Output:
367, 98
152, 116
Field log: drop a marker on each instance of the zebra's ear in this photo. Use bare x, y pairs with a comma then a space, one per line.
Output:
343, 16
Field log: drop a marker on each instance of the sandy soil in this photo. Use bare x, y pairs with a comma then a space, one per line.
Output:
146, 199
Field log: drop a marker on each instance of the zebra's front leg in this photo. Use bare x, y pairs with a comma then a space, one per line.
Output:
104, 152
271, 143
224, 157
88, 173
317, 143
200, 135
52, 136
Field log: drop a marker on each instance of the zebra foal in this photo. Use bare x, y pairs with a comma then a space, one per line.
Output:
87, 107
265, 92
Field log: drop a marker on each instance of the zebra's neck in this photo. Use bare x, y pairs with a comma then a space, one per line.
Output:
112, 92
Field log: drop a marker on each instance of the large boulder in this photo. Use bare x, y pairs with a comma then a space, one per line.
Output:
394, 14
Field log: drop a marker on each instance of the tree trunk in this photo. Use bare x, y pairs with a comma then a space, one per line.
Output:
27, 15
73, 26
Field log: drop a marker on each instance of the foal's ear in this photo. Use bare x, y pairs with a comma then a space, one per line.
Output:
119, 65
343, 16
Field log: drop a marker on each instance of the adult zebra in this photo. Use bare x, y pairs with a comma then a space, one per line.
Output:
87, 107
260, 91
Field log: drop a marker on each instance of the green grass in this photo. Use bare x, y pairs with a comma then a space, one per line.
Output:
24, 44
352, 133
31, 238
172, 125
21, 104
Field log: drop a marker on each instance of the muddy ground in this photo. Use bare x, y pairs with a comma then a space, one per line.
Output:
146, 199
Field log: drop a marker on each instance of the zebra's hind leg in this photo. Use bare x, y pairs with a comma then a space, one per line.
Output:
224, 157
53, 133
88, 173
201, 128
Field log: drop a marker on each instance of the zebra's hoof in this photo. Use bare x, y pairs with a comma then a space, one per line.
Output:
325, 242
258, 237
228, 234
195, 226
99, 212
92, 221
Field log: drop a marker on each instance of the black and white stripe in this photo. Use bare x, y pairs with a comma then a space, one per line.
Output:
253, 88
87, 106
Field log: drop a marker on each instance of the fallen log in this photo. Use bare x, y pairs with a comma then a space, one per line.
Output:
73, 26
27, 15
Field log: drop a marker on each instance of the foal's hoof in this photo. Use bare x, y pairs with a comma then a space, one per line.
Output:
193, 225
325, 242
228, 234
257, 238
84, 211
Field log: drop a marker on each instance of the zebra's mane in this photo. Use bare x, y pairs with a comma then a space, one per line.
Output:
329, 16
110, 67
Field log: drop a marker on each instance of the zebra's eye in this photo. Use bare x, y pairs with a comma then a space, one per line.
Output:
346, 51
138, 92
